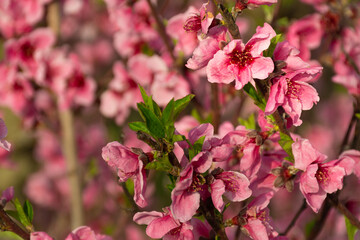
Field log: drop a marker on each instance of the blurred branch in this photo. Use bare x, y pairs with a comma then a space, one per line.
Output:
69, 151
295, 218
162, 31
53, 17
334, 200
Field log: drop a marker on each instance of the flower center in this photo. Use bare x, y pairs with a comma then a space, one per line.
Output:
241, 58
322, 175
197, 183
77, 81
27, 50
192, 24
293, 89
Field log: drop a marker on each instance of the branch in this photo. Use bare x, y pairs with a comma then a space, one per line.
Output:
215, 106
69, 151
318, 225
295, 218
10, 225
161, 30
334, 200
229, 21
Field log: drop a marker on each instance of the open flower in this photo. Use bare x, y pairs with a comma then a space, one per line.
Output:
127, 165
164, 225
318, 178
241, 62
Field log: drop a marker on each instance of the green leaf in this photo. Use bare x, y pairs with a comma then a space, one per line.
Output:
178, 138
154, 125
144, 95
286, 142
268, 12
168, 113
139, 126
10, 236
249, 123
274, 41
129, 184
357, 115
29, 211
22, 216
181, 104
251, 91
351, 229
196, 148
13, 214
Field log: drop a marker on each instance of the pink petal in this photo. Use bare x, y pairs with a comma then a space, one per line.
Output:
146, 217
315, 200
160, 226
256, 229
217, 69
243, 76
305, 154
308, 181
217, 190
40, 236
261, 67
260, 41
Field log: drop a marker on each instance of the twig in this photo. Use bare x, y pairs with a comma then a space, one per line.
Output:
320, 220
161, 30
69, 151
295, 218
276, 13
229, 20
208, 210
10, 225
215, 106
334, 200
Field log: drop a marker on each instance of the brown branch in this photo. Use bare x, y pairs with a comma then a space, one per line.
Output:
161, 30
10, 225
334, 200
295, 218
208, 210
320, 220
215, 106
229, 20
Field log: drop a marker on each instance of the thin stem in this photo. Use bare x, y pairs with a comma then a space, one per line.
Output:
10, 225
347, 134
161, 30
69, 150
295, 218
215, 106
334, 200
276, 13
318, 225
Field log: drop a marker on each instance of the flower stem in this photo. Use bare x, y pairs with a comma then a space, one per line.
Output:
69, 151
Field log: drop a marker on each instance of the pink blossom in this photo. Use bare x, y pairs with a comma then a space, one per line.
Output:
40, 236
352, 155
29, 50
3, 133
190, 187
207, 48
234, 185
293, 93
241, 62
6, 196
127, 165
164, 225
121, 89
86, 233
318, 178
201, 20
186, 41
18, 16
305, 34
78, 89
168, 85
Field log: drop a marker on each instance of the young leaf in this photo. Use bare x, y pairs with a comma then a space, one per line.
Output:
10, 236
249, 123
168, 113
28, 209
139, 126
274, 41
22, 216
351, 229
144, 95
154, 125
160, 165
181, 104
286, 142
251, 91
